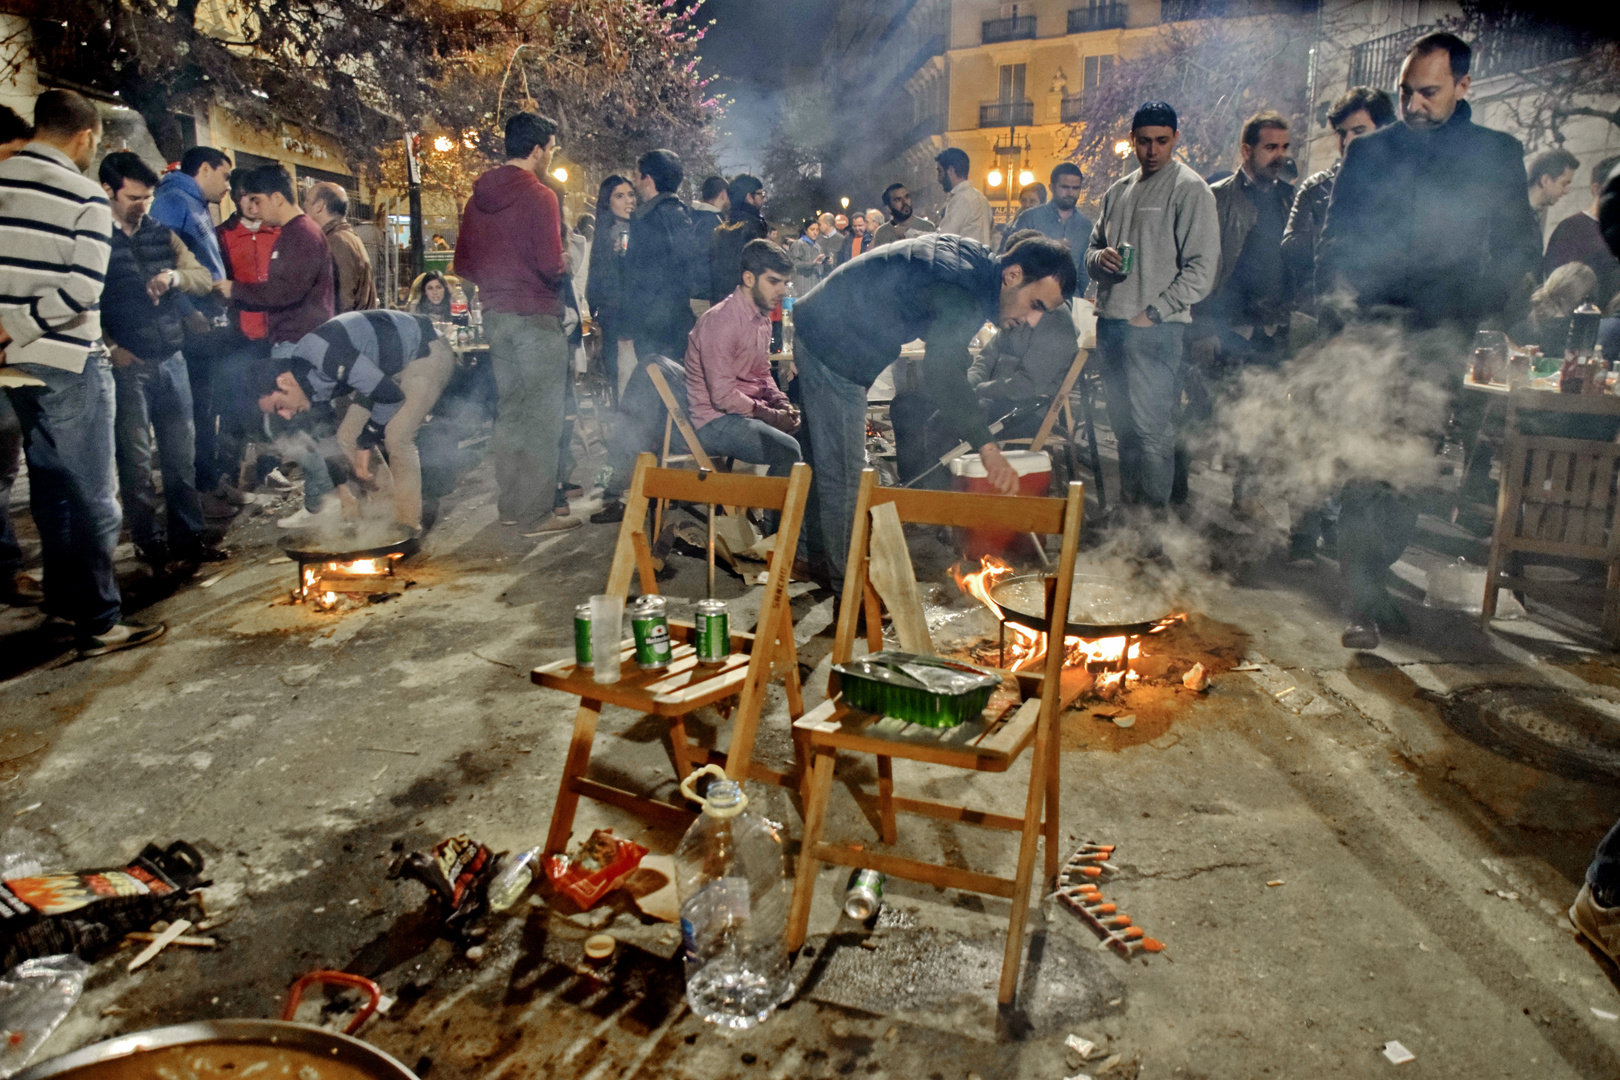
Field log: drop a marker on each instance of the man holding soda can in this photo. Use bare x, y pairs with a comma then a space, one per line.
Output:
1153, 254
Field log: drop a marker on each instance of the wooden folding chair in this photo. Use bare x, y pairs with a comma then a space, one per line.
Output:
675, 419
685, 686
1063, 406
990, 744
1558, 496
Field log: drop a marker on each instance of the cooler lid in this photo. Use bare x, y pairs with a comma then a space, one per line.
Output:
1023, 462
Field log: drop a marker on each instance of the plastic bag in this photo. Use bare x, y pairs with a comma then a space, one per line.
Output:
36, 996
456, 871
595, 868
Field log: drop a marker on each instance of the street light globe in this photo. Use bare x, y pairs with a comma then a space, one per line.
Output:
561, 174
444, 144
993, 178
845, 202
1026, 178
1122, 147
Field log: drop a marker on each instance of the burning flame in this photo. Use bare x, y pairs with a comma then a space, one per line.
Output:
327, 599
1108, 658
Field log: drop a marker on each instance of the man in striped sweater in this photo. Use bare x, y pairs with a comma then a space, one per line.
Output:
54, 230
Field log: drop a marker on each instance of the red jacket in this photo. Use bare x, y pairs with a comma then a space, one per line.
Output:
247, 258
510, 244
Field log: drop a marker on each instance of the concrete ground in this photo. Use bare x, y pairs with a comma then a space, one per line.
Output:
1339, 850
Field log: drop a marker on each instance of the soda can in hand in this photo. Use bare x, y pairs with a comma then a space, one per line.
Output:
1127, 259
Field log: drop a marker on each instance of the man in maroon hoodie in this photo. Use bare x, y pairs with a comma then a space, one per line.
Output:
296, 297
510, 246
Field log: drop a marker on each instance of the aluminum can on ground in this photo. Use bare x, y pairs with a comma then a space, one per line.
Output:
650, 625
713, 633
1127, 259
864, 895
582, 635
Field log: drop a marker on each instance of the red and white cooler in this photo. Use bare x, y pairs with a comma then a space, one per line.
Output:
1034, 478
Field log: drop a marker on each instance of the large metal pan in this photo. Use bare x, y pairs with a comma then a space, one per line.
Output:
1099, 607
351, 543
353, 1057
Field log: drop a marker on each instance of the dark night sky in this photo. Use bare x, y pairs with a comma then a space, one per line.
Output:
754, 47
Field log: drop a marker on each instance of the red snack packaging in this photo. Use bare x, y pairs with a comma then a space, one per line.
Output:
595, 868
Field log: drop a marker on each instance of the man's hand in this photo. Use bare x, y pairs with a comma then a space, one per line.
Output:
223, 287
791, 420
159, 284
361, 462
1140, 320
1109, 260
122, 357
783, 420
1002, 476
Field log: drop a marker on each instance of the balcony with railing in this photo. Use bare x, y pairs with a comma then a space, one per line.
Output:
1069, 112
1519, 42
1188, 10
1377, 63
993, 114
1017, 28
1098, 17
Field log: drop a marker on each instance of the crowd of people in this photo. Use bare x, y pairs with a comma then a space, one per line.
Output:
133, 323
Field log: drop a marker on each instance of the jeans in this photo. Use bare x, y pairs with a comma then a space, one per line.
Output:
156, 396
753, 441
1603, 873
11, 444
1141, 373
530, 356
835, 421
68, 439
422, 381
1376, 523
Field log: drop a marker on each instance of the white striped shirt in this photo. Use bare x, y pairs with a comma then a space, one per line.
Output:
55, 230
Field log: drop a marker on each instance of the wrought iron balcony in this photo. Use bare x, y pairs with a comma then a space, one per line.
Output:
1017, 28
993, 114
1070, 113
1098, 17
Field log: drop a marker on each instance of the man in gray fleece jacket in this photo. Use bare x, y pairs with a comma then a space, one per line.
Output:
1167, 213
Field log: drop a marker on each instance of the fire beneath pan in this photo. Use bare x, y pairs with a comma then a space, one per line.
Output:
353, 566
1108, 622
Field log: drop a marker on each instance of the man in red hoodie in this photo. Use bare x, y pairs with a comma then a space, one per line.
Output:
510, 246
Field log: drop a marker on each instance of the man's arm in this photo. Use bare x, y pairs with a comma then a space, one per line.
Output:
548, 252
196, 231
1347, 227
1198, 248
957, 218
293, 273
86, 273
190, 276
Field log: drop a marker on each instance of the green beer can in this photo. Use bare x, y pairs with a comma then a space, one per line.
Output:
650, 625
1127, 259
582, 636
713, 633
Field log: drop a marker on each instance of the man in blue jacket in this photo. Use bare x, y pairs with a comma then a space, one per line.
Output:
940, 287
182, 202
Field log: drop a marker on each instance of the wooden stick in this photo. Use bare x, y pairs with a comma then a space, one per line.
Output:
164, 940
891, 573
193, 942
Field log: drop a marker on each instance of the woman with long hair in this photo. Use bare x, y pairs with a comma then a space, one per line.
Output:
606, 286
1551, 305
430, 295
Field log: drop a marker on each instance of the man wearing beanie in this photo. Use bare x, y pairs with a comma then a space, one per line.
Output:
1165, 212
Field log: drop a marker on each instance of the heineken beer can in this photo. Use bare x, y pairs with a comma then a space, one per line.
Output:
1127, 259
650, 626
713, 633
864, 895
582, 635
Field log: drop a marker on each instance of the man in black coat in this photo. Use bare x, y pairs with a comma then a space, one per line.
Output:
663, 265
1429, 229
850, 327
743, 221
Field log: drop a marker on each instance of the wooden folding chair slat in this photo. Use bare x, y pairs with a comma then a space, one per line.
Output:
1558, 497
991, 743
684, 686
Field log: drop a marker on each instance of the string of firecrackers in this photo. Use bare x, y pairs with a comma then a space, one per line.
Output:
1079, 891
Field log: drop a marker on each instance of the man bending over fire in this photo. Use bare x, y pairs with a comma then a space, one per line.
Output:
395, 365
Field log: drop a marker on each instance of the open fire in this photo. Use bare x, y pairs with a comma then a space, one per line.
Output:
327, 585
1109, 659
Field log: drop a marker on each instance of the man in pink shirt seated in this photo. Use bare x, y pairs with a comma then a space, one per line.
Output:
733, 401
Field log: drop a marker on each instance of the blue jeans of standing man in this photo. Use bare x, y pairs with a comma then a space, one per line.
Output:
753, 441
835, 421
68, 440
155, 396
11, 442
1141, 373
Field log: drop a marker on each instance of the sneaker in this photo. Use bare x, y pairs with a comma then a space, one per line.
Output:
329, 514
552, 524
610, 513
1361, 636
123, 635
559, 505
277, 482
25, 591
1597, 924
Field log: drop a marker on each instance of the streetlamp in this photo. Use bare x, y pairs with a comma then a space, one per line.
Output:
844, 202
561, 174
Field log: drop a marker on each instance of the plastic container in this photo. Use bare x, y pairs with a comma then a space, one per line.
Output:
924, 690
607, 632
734, 908
513, 880
1034, 478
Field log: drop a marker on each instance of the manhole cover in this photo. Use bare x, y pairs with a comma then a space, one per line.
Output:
1576, 736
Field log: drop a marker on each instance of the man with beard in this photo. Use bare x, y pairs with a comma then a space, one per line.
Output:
743, 221
941, 288
1429, 230
731, 397
1060, 220
902, 222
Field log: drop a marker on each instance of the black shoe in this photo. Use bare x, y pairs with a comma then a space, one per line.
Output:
610, 513
1361, 636
203, 553
157, 556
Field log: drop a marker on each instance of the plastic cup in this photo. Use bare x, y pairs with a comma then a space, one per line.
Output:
607, 631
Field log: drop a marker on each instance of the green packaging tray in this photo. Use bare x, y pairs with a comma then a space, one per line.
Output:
920, 689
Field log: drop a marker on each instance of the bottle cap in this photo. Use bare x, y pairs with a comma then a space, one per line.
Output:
600, 946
